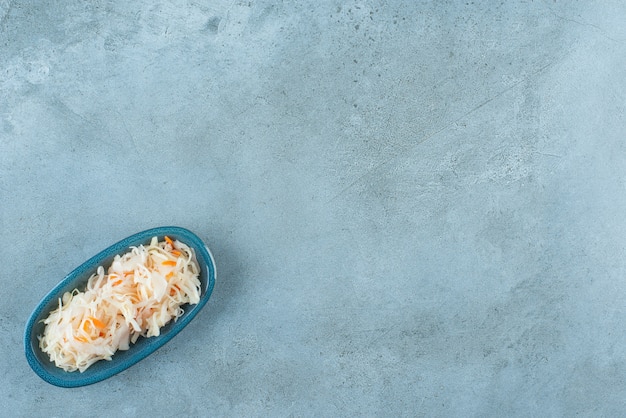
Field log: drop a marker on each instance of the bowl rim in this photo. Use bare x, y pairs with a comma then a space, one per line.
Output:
78, 276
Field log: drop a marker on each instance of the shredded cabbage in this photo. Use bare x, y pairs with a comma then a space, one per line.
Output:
141, 291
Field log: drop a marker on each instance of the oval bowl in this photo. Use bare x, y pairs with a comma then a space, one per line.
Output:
121, 360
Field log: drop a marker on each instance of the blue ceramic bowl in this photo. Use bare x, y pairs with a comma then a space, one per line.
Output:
40, 362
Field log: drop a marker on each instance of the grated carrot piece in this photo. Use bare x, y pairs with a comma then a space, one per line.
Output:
169, 275
98, 323
169, 263
169, 241
81, 339
174, 289
176, 253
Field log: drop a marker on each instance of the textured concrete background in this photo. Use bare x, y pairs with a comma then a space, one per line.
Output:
416, 207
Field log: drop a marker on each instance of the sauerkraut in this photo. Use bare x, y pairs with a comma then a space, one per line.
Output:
141, 291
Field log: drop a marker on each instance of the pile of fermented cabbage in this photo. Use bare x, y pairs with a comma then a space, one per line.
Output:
140, 292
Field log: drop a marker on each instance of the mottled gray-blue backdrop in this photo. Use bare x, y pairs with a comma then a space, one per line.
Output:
416, 207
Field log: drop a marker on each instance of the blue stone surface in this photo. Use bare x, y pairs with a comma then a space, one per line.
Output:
416, 207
